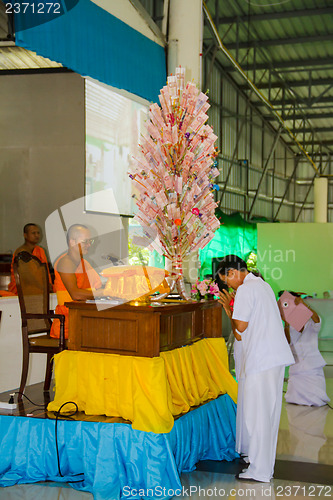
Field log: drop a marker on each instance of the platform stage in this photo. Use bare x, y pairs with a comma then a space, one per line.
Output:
105, 455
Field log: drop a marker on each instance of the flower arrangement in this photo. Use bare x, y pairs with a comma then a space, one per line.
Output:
205, 289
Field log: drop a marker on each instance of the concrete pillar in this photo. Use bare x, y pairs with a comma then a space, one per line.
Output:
185, 38
320, 199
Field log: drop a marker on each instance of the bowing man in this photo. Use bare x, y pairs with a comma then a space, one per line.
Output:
75, 279
265, 352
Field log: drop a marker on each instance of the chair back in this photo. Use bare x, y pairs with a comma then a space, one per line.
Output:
32, 283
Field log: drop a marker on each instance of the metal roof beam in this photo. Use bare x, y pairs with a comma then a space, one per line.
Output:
297, 160
287, 14
252, 85
292, 84
314, 143
303, 63
309, 130
280, 41
148, 20
273, 147
304, 102
300, 116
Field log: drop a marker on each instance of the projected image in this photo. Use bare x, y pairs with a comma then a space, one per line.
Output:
114, 124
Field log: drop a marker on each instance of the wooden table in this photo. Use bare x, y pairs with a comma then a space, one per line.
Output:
141, 330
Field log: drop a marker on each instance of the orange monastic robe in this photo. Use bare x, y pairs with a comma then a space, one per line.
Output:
37, 252
4, 293
86, 278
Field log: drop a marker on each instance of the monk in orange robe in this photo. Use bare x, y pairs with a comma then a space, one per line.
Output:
31, 233
75, 279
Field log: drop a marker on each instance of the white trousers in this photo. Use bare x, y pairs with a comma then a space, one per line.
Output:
307, 388
258, 417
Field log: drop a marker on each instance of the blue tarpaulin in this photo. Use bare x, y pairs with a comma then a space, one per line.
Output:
92, 42
112, 456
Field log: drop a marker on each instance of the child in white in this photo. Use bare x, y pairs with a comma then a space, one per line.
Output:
306, 385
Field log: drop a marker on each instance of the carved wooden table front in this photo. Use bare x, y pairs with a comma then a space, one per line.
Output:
141, 330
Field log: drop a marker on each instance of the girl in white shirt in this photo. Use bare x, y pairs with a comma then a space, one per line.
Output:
306, 385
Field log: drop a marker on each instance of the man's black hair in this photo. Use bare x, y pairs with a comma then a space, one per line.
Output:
295, 294
230, 262
26, 227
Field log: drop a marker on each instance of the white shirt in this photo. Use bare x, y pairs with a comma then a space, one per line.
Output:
264, 344
305, 348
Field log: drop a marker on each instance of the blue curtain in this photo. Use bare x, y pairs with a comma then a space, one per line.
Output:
92, 42
113, 457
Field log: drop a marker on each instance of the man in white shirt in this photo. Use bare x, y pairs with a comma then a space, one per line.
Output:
264, 353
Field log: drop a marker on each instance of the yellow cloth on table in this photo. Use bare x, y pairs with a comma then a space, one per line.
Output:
146, 391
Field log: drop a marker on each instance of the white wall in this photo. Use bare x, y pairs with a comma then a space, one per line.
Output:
11, 347
42, 163
42, 149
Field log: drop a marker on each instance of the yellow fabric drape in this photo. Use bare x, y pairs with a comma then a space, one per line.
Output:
198, 373
146, 391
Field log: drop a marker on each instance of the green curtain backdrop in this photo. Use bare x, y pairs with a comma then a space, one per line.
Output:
235, 236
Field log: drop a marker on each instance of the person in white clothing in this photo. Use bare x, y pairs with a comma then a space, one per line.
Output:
264, 353
306, 384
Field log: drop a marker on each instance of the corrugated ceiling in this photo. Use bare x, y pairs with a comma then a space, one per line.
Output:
16, 58
284, 46
286, 50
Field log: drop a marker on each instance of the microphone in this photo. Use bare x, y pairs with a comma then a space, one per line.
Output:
115, 261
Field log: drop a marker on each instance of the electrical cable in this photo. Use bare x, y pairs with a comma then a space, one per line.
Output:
57, 415
35, 404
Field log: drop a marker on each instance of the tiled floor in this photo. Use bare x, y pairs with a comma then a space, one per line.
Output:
304, 466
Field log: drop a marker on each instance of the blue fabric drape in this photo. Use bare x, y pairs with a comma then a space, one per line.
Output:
92, 42
207, 433
114, 456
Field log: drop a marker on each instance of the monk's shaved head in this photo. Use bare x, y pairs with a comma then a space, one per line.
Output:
28, 226
75, 232
31, 233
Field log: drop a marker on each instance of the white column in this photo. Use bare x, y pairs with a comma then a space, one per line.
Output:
320, 199
185, 38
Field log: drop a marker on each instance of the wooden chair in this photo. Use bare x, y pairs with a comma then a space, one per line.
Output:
32, 283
